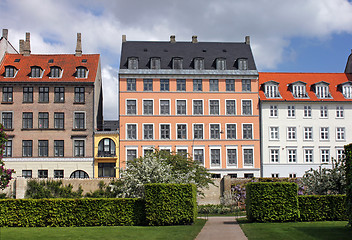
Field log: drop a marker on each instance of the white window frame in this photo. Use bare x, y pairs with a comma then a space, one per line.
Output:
271, 154
227, 159
252, 132
134, 99
304, 134
219, 113
339, 133
324, 112
305, 155
307, 111
291, 111
235, 130
193, 131
143, 106
220, 130
163, 114
73, 147
277, 132
288, 154
202, 107
153, 131
176, 107
181, 148
245, 148
202, 148
149, 147
130, 148
220, 160
273, 109
126, 126
186, 130
288, 133
251, 107
272, 91
340, 113
170, 131
321, 132
226, 107
338, 155
322, 156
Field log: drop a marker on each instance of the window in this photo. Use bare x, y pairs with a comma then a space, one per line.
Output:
340, 133
155, 63
214, 107
27, 94
181, 131
214, 131
79, 120
131, 84
165, 107
299, 91
322, 91
273, 111
79, 174
164, 84
339, 112
58, 148
347, 91
248, 157
177, 63
79, 95
164, 131
147, 151
43, 148
59, 94
246, 107
230, 107
324, 133
247, 131
246, 85
291, 113
272, 91
27, 173
131, 131
181, 85
231, 157
106, 169
8, 149
148, 107
198, 63
215, 157
248, 175
230, 85
274, 175
308, 133
292, 175
82, 72
7, 120
308, 155
182, 152
107, 148
221, 64
198, 131
148, 131
230, 131
292, 155
197, 85
340, 154
197, 107
55, 72
43, 94
274, 133
7, 94
27, 148
58, 173
131, 107
181, 107
27, 120
198, 156
131, 154
132, 63
10, 71
59, 120
274, 155
291, 133
242, 64
325, 155
42, 173
213, 85
36, 72
79, 148
148, 85
307, 111
323, 111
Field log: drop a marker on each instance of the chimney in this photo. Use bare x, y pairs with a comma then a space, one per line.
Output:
123, 38
248, 40
21, 46
79, 45
172, 39
27, 45
194, 39
5, 33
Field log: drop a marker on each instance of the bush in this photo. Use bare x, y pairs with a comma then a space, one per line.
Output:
272, 201
170, 204
217, 209
322, 208
51, 189
348, 169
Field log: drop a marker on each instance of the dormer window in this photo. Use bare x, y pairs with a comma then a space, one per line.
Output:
155, 63
36, 72
55, 72
198, 63
10, 71
132, 63
298, 90
347, 90
221, 64
242, 64
81, 72
272, 90
177, 63
322, 90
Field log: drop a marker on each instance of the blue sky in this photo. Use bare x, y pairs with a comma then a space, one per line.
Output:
286, 35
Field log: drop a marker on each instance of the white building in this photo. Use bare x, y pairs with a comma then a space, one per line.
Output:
305, 121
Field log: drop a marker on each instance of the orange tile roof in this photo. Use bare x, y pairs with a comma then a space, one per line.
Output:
284, 79
67, 62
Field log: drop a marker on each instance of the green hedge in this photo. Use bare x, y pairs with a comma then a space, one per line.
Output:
348, 164
272, 201
71, 212
170, 204
322, 208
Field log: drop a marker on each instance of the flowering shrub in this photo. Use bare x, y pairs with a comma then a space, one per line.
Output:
5, 174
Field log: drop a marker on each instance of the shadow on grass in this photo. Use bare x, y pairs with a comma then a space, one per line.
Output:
325, 230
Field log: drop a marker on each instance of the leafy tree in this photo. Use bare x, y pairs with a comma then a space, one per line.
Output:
51, 189
5, 174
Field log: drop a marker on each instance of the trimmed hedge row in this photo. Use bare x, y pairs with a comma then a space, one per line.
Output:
348, 164
322, 208
170, 204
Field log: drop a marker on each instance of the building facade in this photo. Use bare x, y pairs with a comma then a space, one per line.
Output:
199, 98
50, 106
305, 121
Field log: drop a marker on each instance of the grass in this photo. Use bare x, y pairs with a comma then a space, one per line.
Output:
183, 232
296, 230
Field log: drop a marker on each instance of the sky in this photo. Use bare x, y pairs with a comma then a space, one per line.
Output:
286, 35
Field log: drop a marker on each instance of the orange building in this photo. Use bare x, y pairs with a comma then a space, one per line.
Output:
199, 98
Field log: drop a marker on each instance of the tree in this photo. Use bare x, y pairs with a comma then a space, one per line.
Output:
160, 167
5, 174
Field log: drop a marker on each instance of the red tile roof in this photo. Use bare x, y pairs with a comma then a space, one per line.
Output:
67, 62
284, 79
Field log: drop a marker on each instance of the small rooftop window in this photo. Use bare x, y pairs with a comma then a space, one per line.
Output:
155, 63
84, 60
17, 60
132, 63
322, 90
298, 90
271, 89
198, 63
242, 64
55, 72
221, 64
177, 63
347, 90
10, 71
81, 72
51, 61
36, 72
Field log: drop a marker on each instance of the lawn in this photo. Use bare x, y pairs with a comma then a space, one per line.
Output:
97, 233
296, 230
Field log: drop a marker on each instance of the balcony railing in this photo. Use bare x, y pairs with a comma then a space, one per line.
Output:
106, 154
